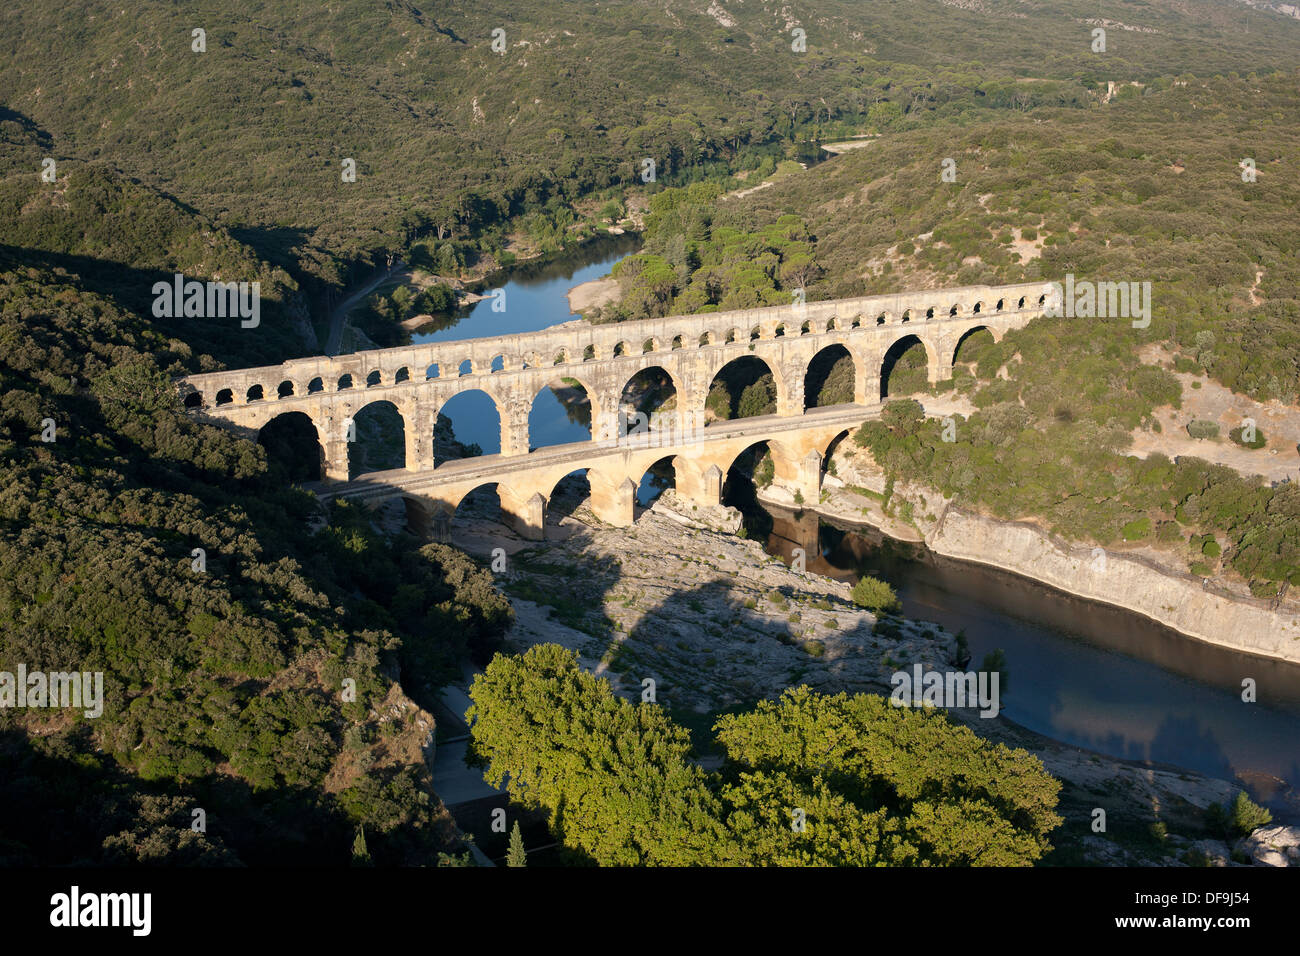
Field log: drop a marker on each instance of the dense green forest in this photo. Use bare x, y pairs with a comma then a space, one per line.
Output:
452, 139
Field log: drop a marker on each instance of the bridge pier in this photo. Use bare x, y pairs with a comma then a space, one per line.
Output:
700, 488
525, 516
614, 502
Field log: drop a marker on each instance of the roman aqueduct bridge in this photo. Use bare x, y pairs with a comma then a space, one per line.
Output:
419, 380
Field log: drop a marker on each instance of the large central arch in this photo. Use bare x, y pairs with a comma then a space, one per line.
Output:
377, 439
745, 387
467, 425
829, 378
292, 440
905, 367
562, 412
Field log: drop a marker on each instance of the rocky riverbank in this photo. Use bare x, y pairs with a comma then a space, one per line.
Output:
1142, 580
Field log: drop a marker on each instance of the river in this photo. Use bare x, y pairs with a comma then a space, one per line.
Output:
1090, 674
1083, 673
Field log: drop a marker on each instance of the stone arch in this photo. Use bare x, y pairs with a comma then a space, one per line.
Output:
658, 477
955, 310
292, 440
1021, 303
589, 353
498, 364
740, 382
733, 335
998, 307
562, 413
481, 426
566, 494
882, 318
193, 399
755, 334
785, 465
897, 349
374, 378
676, 343
832, 324
317, 384
380, 442
929, 313
561, 357
834, 443
705, 339
965, 336
466, 367
977, 308
829, 375
779, 332
649, 345
254, 394
907, 315
344, 382
403, 374
432, 372
284, 389
227, 399
656, 388
620, 349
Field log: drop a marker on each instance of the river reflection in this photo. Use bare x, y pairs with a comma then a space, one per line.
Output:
535, 299
1085, 673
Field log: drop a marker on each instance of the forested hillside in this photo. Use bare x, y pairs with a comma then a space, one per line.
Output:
224, 668
452, 137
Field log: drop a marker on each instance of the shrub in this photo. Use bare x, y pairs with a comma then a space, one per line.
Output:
875, 595
1201, 429
1236, 436
1135, 530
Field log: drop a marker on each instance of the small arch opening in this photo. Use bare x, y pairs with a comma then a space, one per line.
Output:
465, 368
254, 393
194, 400
431, 372
284, 390
345, 382
225, 397
317, 384
374, 378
